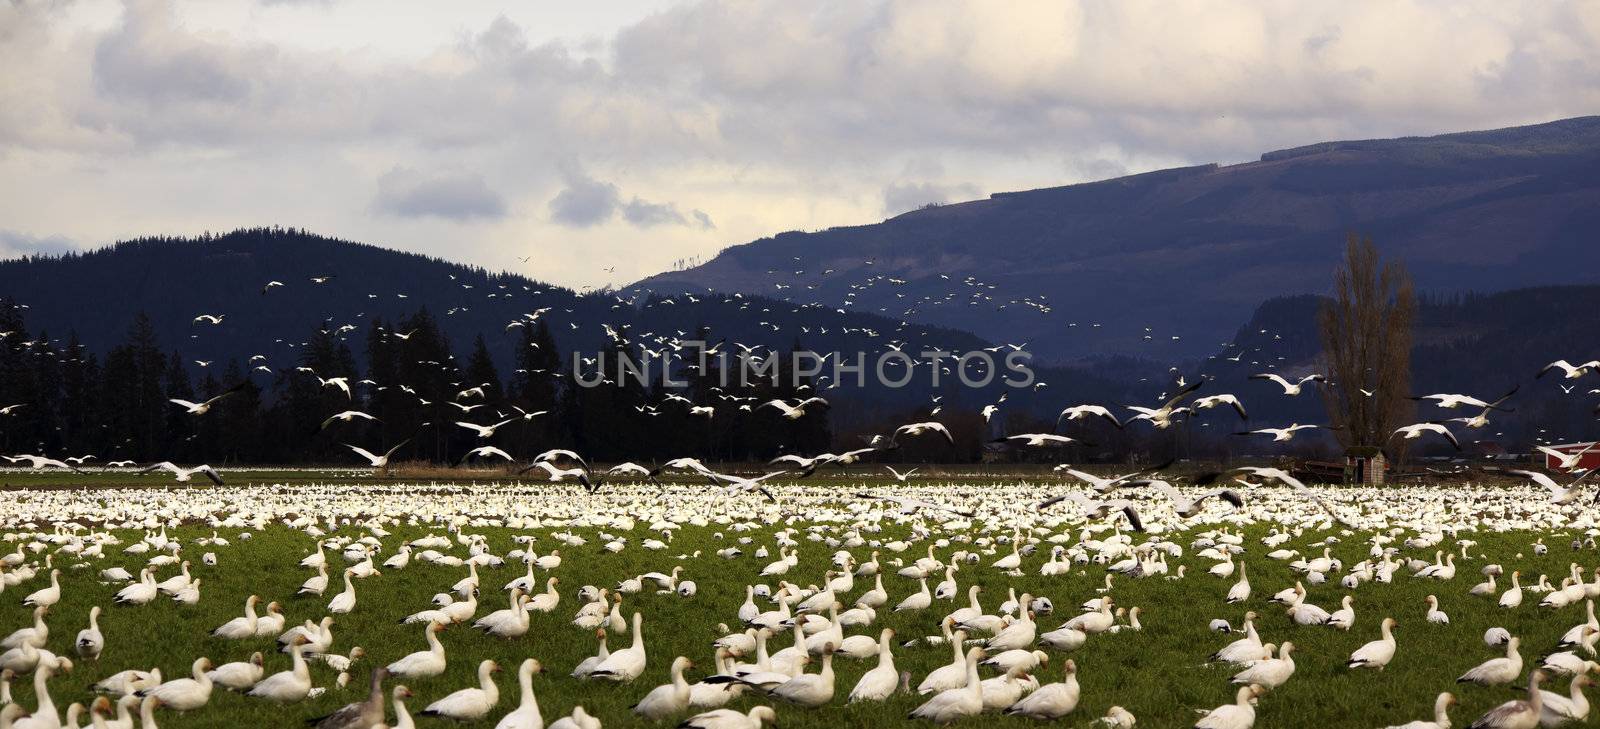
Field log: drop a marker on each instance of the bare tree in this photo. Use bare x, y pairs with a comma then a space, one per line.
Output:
1366, 343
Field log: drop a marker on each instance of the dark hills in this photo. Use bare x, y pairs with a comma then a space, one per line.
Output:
1192, 251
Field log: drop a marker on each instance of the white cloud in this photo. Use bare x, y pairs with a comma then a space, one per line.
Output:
760, 115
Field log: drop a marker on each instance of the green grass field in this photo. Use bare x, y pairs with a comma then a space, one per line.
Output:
1158, 673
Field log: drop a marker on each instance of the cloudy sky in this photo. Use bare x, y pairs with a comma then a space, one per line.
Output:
634, 133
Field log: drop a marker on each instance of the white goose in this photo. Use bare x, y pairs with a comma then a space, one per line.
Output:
286, 686
625, 665
185, 694
1378, 653
345, 601
239, 675
730, 719
469, 704
526, 715
1053, 700
955, 704
668, 699
880, 682
423, 664
1441, 715
90, 641
1240, 714
1270, 673
241, 628
1497, 671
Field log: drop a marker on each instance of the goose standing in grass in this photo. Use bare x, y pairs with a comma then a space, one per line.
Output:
1497, 671
1569, 662
1513, 597
242, 627
1270, 673
1518, 714
35, 635
1574, 707
809, 689
48, 596
526, 715
1435, 615
670, 698
469, 704
239, 675
1441, 715
1344, 618
1241, 714
730, 719
1241, 589
345, 601
90, 641
423, 664
185, 694
625, 665
955, 704
880, 682
1378, 653
286, 686
1053, 700
579, 719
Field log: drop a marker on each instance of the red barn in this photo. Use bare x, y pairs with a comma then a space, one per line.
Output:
1591, 459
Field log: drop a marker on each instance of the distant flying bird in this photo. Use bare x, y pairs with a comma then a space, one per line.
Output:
209, 318
910, 505
270, 285
1185, 506
485, 431
9, 409
1161, 417
1291, 389
485, 452
201, 408
893, 441
184, 474
1078, 412
1280, 435
346, 417
1571, 371
37, 462
342, 383
1413, 432
1104, 485
1096, 509
1567, 461
989, 411
1041, 439
1558, 494
1450, 401
901, 477
1211, 401
796, 411
1273, 474
557, 474
377, 461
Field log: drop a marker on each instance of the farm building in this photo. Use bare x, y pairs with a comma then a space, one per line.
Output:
1591, 459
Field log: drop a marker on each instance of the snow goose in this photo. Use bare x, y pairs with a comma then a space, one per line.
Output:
362, 714
271, 623
1344, 617
1513, 597
1574, 707
546, 601
1270, 673
526, 715
345, 601
668, 699
1305, 613
1574, 635
730, 719
469, 704
36, 635
1569, 662
625, 665
1435, 615
809, 689
1441, 715
44, 716
1006, 689
286, 686
1241, 589
1518, 714
129, 682
1378, 653
239, 675
243, 627
579, 719
880, 682
510, 622
959, 703
950, 675
48, 596
316, 584
185, 694
1240, 714
919, 600
1051, 701
1497, 671
90, 641
1243, 649
423, 664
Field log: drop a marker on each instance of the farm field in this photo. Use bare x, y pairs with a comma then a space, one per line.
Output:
1159, 673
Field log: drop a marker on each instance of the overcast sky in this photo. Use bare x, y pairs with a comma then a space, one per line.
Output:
631, 133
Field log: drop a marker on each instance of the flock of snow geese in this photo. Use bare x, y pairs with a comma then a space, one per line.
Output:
831, 567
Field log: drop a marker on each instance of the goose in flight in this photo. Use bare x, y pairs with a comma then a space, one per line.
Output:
746, 484
893, 441
910, 505
1096, 509
1413, 432
1079, 412
346, 417
9, 409
41, 462
1161, 417
1185, 506
560, 453
212, 319
184, 474
687, 464
201, 408
1041, 439
558, 474
342, 383
1573, 372
377, 461
270, 285
484, 452
486, 431
1280, 435
1211, 401
1291, 389
1567, 461
1451, 401
901, 477
1558, 494
1106, 485
796, 411
1273, 474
